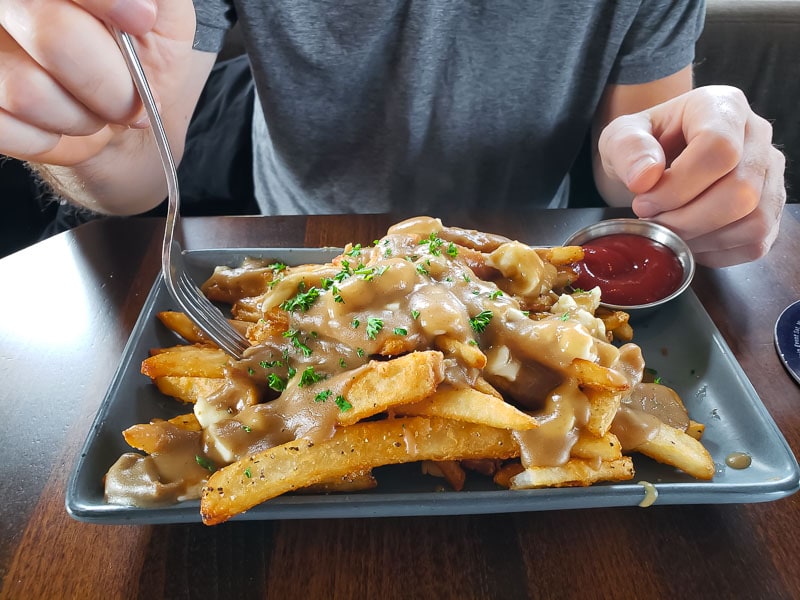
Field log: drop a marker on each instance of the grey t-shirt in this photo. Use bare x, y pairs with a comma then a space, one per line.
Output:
420, 107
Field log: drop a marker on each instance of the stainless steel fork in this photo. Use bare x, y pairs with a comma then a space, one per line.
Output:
179, 283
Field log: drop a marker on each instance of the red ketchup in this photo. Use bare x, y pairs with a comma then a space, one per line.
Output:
629, 269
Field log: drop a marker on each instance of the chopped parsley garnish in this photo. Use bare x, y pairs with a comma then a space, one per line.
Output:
277, 267
346, 271
343, 363
248, 473
421, 269
205, 463
366, 273
323, 396
354, 251
657, 380
342, 403
269, 364
292, 372
374, 326
247, 428
434, 243
415, 314
337, 296
251, 371
293, 335
303, 300
495, 294
309, 376
276, 382
467, 278
481, 320
400, 331
565, 316
355, 323
360, 352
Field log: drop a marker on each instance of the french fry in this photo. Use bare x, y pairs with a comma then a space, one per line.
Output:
450, 470
384, 384
695, 429
472, 406
275, 471
561, 255
507, 472
150, 437
588, 446
593, 375
352, 482
603, 407
187, 361
575, 472
678, 449
470, 355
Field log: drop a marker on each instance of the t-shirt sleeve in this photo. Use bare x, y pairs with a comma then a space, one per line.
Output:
660, 40
214, 18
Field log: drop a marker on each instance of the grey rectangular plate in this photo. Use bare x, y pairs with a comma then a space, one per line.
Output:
680, 342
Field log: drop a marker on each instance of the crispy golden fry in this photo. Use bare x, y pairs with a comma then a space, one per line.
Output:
183, 326
301, 463
575, 472
507, 472
384, 384
592, 375
561, 255
470, 355
148, 437
272, 325
623, 333
450, 470
696, 430
677, 448
603, 406
606, 447
247, 310
187, 361
483, 386
472, 406
352, 482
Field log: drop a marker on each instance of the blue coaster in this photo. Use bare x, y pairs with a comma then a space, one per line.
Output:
787, 339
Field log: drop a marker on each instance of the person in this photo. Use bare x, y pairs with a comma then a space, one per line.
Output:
367, 107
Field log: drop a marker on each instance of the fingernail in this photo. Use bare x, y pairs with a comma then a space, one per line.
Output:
639, 167
135, 16
142, 123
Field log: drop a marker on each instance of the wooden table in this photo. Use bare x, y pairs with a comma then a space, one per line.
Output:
68, 306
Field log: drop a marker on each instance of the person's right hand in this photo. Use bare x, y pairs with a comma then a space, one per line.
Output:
65, 89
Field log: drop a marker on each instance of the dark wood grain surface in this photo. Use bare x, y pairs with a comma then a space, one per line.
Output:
68, 305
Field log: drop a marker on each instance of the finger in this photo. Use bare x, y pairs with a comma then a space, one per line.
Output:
78, 51
736, 194
751, 237
71, 151
29, 94
137, 17
22, 140
713, 122
630, 153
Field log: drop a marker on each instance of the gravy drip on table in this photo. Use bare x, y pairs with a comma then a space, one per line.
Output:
419, 285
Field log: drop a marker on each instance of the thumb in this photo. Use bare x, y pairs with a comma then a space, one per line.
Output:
630, 152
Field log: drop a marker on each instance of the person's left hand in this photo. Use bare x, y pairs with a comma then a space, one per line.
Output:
702, 164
